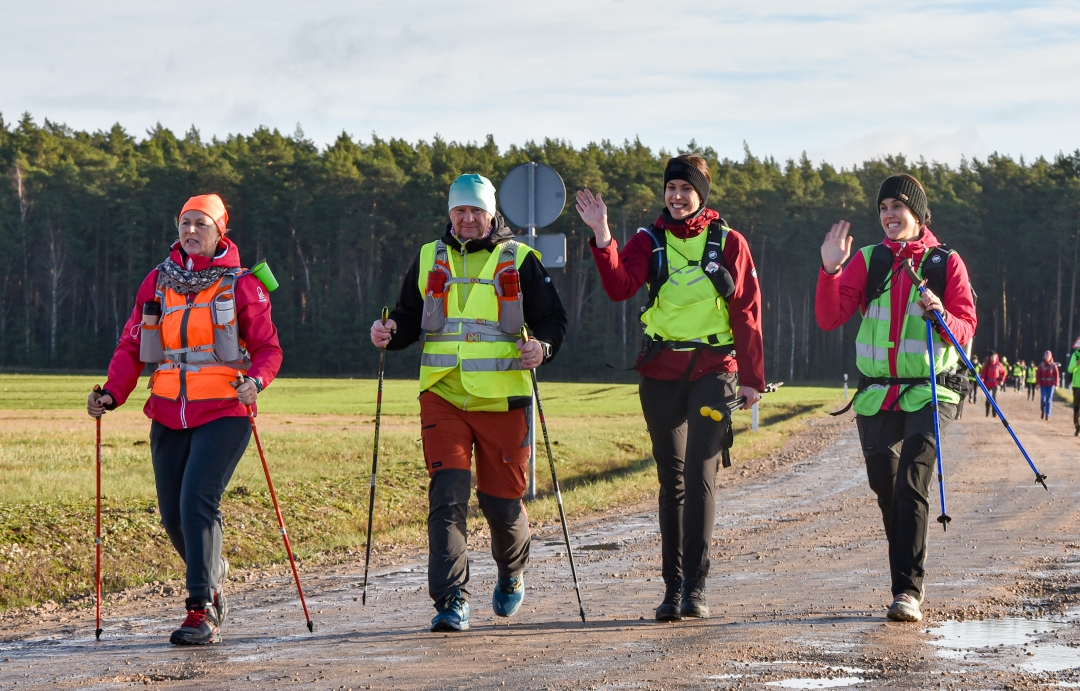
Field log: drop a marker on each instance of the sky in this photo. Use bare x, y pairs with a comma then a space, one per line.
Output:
842, 81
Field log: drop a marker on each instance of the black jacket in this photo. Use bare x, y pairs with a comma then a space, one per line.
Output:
544, 313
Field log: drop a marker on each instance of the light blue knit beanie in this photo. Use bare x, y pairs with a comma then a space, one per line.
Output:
473, 190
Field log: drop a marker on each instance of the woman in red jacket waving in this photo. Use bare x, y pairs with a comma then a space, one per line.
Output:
893, 402
703, 339
201, 319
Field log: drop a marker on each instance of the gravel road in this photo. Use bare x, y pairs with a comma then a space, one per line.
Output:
798, 593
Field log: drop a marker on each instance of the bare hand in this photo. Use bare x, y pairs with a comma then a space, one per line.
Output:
532, 353
931, 303
837, 247
593, 211
95, 404
752, 396
246, 392
381, 333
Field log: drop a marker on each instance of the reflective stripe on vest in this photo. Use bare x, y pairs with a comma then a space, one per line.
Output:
202, 356
688, 308
489, 361
873, 346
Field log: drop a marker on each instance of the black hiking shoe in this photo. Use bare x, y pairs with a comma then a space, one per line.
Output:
220, 603
669, 608
201, 626
693, 599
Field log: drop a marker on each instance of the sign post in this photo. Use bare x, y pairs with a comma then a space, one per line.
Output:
532, 196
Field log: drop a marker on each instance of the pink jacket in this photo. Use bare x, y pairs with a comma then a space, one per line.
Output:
256, 329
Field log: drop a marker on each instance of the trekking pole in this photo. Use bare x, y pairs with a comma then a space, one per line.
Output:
943, 519
1039, 477
374, 459
726, 409
555, 482
97, 530
277, 509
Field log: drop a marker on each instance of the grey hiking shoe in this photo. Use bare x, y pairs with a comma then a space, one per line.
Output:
201, 627
453, 614
904, 608
220, 603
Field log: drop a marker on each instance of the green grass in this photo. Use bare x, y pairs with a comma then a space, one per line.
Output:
318, 435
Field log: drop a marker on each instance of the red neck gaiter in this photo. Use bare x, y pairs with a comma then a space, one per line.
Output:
689, 227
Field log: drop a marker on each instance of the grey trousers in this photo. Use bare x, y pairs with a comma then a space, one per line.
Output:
448, 552
192, 468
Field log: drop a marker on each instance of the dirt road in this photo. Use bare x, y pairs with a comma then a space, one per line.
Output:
798, 594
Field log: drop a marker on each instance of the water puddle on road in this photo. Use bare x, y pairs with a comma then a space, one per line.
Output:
826, 681
961, 640
834, 683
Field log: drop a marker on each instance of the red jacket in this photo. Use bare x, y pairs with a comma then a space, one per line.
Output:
840, 294
256, 328
1049, 374
623, 274
992, 373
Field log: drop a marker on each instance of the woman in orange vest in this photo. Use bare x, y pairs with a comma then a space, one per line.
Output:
202, 320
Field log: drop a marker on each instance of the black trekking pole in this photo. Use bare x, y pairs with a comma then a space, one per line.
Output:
555, 482
1039, 477
277, 509
374, 459
97, 531
943, 519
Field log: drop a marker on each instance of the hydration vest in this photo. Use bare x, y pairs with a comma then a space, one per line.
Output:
481, 337
196, 342
688, 290
872, 344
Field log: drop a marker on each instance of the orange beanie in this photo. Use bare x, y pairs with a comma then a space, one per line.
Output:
212, 206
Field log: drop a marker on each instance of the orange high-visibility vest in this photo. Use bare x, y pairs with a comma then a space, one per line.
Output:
200, 338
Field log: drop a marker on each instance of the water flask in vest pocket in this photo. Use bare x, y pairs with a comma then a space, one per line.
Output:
434, 317
150, 349
511, 306
226, 334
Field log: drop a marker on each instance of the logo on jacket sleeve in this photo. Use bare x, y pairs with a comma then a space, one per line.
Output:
262, 295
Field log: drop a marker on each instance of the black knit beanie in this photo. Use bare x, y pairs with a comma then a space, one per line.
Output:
681, 170
908, 191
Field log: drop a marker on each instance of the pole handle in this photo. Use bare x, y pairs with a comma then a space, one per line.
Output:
909, 269
385, 314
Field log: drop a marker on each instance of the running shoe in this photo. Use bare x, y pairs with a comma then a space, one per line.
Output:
905, 608
508, 595
453, 614
201, 626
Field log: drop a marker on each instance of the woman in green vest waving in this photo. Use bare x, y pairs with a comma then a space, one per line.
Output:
703, 339
892, 404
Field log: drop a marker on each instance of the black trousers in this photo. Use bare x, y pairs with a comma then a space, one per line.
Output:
989, 408
192, 468
900, 462
687, 448
448, 549
1076, 406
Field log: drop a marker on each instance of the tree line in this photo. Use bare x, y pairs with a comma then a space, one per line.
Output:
84, 216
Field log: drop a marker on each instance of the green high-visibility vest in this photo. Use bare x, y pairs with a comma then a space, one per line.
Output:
872, 346
489, 361
1032, 375
688, 308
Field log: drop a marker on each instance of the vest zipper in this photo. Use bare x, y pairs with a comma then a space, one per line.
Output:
183, 358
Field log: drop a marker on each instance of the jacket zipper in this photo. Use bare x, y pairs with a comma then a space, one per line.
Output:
183, 359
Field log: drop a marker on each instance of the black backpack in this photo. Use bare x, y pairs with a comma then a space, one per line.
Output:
713, 258
879, 272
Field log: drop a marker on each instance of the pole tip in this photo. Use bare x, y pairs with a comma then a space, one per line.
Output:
1041, 479
97, 634
310, 626
582, 613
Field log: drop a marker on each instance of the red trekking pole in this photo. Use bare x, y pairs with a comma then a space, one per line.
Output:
277, 509
97, 532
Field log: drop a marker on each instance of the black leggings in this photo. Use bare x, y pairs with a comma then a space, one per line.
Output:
687, 448
900, 462
192, 468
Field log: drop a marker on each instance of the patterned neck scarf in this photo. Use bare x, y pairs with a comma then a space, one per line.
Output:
184, 282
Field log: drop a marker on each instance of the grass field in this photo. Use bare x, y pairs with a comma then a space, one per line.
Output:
318, 435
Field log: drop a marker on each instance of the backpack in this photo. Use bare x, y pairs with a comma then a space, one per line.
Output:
715, 268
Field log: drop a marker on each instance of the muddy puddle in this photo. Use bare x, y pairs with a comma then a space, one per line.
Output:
1034, 639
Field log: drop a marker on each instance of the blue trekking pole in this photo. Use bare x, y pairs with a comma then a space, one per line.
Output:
943, 519
921, 284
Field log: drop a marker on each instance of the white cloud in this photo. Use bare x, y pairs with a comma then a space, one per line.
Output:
938, 80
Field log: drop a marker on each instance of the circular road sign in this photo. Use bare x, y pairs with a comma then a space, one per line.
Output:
546, 189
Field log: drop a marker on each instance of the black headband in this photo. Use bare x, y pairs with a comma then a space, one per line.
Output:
907, 191
681, 170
